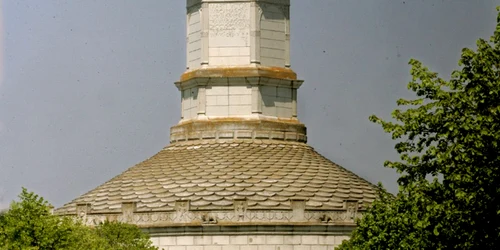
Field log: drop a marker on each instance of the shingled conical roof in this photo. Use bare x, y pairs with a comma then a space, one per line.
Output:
211, 174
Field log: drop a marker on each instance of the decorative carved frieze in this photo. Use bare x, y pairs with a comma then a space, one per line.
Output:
239, 215
229, 20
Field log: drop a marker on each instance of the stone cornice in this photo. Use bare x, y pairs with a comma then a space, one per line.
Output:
252, 80
240, 71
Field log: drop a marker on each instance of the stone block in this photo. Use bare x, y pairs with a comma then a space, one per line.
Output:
176, 248
168, 241
326, 240
213, 52
217, 111
284, 247
269, 110
222, 100
310, 239
203, 240
220, 240
256, 239
269, 43
284, 112
272, 61
303, 247
292, 239
273, 53
285, 93
245, 99
212, 248
273, 24
186, 94
240, 89
274, 239
244, 51
249, 247
270, 34
194, 247
238, 239
230, 247
240, 110
217, 90
284, 102
229, 60
211, 100
268, 91
321, 247
233, 51
266, 247
194, 112
185, 240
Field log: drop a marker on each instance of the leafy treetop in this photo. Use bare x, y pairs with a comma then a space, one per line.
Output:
448, 139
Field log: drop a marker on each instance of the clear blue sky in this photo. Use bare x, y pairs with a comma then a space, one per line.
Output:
87, 88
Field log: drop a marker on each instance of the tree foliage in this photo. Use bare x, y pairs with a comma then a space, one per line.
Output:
29, 224
123, 236
448, 141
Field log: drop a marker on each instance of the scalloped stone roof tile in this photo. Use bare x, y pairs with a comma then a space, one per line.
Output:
212, 173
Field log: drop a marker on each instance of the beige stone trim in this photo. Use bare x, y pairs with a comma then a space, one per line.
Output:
259, 71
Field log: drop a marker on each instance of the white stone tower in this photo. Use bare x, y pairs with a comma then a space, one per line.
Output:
238, 173
238, 82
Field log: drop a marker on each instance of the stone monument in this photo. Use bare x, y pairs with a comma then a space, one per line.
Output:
238, 173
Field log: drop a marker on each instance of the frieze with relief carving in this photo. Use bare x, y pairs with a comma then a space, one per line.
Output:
229, 20
214, 217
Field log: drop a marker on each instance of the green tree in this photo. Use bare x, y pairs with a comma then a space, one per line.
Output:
448, 141
29, 224
121, 236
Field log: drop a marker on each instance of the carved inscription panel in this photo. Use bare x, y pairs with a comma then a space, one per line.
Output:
229, 24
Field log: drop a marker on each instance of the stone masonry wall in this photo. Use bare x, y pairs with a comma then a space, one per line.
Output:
249, 242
